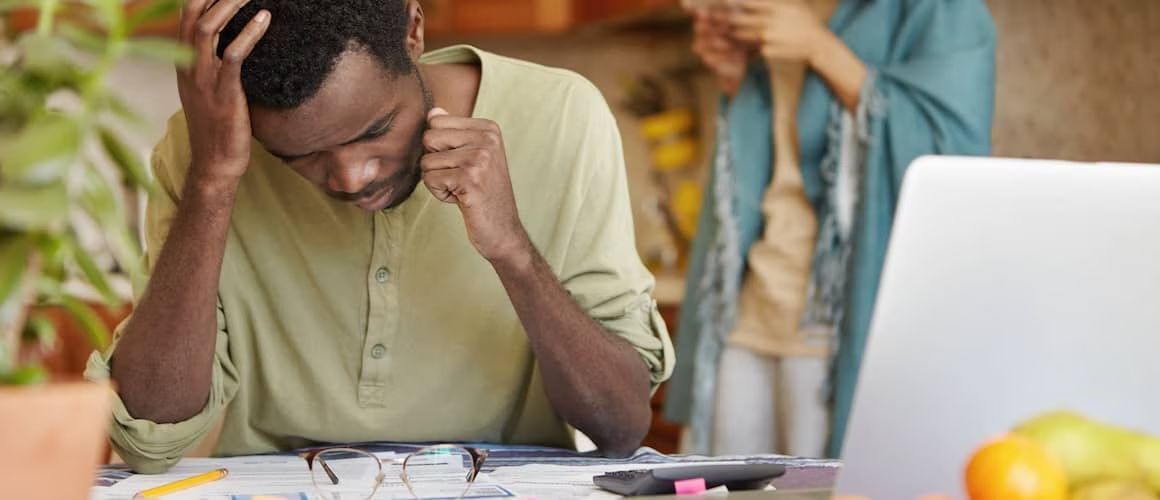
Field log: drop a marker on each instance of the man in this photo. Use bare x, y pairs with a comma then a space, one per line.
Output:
306, 289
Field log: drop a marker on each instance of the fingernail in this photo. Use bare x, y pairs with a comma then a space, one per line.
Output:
262, 16
436, 112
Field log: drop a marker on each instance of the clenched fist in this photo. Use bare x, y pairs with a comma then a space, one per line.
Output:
466, 164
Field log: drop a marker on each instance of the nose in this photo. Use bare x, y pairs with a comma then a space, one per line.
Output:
349, 174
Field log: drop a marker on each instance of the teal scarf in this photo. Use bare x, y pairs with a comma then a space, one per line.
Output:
930, 91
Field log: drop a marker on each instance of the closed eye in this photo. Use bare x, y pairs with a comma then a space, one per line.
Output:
292, 159
376, 130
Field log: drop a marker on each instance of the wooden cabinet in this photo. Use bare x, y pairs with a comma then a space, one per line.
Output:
519, 17
489, 17
460, 18
595, 11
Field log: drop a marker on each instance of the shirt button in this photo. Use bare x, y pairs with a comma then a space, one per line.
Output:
378, 351
382, 275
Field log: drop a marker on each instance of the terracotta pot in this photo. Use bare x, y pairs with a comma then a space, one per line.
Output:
52, 437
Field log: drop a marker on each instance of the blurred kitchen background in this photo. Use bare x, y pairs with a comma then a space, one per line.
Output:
1077, 80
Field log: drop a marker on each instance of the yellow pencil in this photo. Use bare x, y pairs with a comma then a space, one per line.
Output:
182, 485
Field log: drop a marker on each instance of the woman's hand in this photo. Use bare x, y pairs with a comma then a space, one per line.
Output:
715, 46
781, 30
790, 30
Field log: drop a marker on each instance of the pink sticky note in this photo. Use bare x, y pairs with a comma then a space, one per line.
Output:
690, 486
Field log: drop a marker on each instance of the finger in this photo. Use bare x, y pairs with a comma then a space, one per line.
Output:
462, 159
718, 18
443, 160
773, 53
750, 35
727, 68
446, 185
210, 25
720, 45
749, 20
439, 118
720, 28
241, 47
190, 13
446, 139
758, 5
700, 26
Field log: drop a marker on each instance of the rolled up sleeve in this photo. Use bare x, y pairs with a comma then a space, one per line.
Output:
603, 270
152, 448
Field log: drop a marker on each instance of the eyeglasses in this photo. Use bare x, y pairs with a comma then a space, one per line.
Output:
439, 471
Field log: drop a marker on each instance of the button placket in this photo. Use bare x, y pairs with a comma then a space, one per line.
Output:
373, 375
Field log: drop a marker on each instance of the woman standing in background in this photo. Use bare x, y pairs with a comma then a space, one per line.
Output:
817, 125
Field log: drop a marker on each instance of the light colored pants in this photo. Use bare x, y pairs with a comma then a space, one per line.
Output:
770, 405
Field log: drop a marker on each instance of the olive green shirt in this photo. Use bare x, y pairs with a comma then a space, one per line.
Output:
336, 325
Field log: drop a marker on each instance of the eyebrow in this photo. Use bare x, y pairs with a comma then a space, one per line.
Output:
373, 129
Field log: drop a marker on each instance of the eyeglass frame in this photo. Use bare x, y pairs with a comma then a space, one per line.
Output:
478, 456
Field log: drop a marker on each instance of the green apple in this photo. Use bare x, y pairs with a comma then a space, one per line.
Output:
1113, 490
1092, 451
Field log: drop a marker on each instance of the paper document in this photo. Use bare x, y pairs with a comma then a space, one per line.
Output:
289, 476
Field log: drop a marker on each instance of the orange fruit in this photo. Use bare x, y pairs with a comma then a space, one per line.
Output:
1014, 467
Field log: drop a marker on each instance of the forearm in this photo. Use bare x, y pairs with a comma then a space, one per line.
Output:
594, 380
841, 69
163, 363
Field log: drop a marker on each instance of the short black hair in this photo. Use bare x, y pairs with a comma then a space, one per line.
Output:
305, 39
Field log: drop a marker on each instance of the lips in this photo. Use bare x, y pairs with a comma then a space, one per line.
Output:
375, 201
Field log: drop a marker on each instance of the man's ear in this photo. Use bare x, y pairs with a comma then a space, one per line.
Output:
415, 25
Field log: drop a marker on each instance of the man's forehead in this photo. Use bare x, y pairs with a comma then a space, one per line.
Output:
357, 93
357, 79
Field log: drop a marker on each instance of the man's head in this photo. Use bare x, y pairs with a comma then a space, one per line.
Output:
334, 91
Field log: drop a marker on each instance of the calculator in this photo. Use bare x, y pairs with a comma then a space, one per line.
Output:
659, 481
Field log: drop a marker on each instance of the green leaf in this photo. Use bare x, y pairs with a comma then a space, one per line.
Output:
81, 38
94, 329
121, 109
124, 157
92, 272
14, 252
101, 203
47, 58
161, 49
43, 151
156, 10
27, 375
53, 255
40, 330
126, 249
18, 102
111, 15
99, 198
34, 207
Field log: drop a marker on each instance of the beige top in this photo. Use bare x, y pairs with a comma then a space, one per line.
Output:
773, 294
335, 325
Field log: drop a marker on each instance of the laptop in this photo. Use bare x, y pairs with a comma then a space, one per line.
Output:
1011, 288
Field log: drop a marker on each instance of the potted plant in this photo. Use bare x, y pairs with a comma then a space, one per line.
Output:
63, 164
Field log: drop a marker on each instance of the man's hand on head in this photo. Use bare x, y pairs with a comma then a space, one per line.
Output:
211, 89
466, 164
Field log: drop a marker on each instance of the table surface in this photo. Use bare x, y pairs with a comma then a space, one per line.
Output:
805, 479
